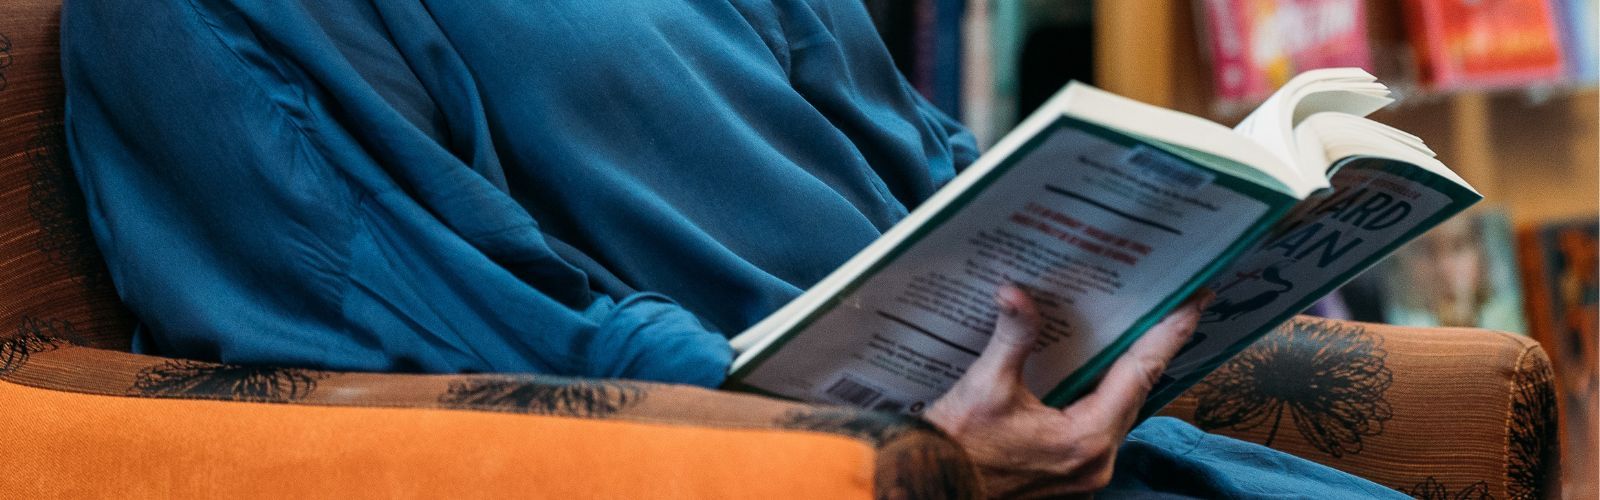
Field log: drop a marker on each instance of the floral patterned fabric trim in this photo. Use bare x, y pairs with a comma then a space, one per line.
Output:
914, 459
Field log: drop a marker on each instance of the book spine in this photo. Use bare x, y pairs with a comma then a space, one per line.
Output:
1226, 32
977, 75
947, 63
925, 32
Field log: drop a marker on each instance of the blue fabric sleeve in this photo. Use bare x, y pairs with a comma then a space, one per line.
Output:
262, 197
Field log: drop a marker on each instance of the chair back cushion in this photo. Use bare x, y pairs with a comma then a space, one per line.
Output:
53, 281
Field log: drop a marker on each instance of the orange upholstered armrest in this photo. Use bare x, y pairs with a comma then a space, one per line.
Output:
91, 423
1434, 412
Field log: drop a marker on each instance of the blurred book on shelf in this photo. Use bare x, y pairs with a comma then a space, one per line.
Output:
1256, 45
1461, 274
1017, 54
990, 62
925, 39
1464, 274
1485, 44
1561, 265
1580, 33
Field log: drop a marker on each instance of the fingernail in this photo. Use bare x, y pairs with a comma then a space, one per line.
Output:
1007, 308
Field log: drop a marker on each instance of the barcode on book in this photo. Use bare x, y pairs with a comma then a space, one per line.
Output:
890, 405
1167, 167
854, 392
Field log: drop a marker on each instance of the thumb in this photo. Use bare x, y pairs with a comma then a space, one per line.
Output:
1015, 332
1127, 383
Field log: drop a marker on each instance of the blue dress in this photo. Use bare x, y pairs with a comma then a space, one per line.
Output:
594, 188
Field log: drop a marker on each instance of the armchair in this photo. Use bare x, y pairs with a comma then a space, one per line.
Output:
1435, 413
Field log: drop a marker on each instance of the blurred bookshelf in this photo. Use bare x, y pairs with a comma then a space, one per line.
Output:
1523, 128
1531, 148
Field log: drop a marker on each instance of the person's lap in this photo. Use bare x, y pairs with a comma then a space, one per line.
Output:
1167, 458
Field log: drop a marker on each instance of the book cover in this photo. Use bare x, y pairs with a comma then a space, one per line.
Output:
1109, 212
1473, 43
1561, 267
1051, 217
1257, 45
1461, 274
1316, 249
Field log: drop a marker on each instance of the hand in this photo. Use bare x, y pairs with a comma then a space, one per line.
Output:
1024, 448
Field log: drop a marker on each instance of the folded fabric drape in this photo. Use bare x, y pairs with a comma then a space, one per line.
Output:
584, 188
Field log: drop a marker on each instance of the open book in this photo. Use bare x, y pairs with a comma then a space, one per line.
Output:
1109, 212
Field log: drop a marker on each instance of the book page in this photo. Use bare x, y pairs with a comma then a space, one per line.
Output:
1104, 231
1375, 205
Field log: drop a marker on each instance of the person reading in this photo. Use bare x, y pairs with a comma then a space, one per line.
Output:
594, 189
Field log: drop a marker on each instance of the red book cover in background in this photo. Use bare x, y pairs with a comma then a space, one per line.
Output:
1561, 273
1485, 43
1257, 45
